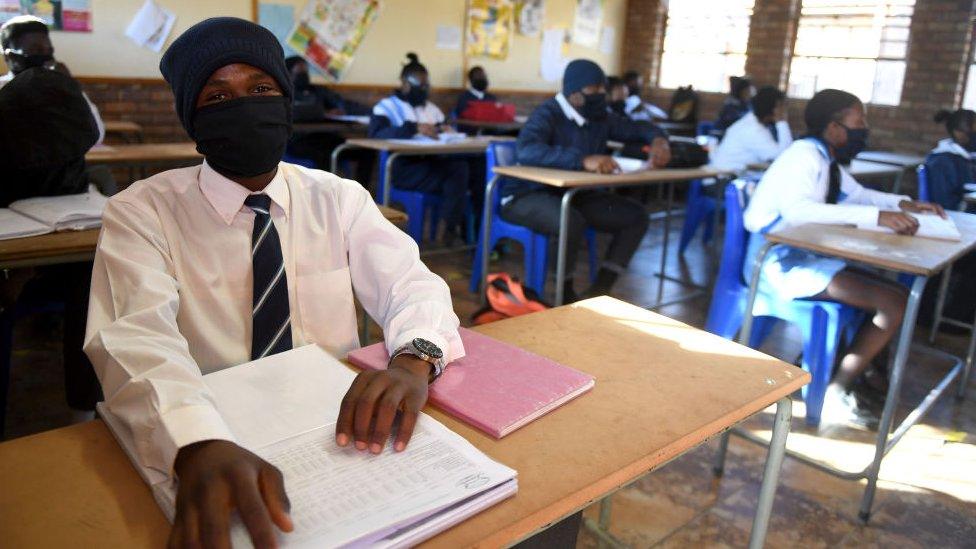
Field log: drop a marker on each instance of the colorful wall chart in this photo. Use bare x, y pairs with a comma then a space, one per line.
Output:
328, 32
490, 28
66, 15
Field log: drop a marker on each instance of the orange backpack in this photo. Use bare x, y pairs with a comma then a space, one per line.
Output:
507, 298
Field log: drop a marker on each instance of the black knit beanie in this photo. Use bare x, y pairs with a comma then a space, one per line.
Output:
212, 44
824, 106
581, 73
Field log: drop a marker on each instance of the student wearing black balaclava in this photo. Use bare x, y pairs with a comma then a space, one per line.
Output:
736, 105
477, 91
617, 94
808, 183
409, 114
203, 268
950, 165
570, 132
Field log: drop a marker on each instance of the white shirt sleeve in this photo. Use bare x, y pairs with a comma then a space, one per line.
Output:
149, 378
859, 194
98, 120
392, 283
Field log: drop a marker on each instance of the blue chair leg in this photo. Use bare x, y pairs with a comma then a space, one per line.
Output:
535, 263
819, 352
415, 221
761, 328
476, 275
594, 259
432, 211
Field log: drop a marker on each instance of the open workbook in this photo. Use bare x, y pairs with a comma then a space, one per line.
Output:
929, 226
283, 409
48, 214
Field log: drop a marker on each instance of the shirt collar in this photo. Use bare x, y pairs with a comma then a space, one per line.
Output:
476, 93
569, 111
949, 145
821, 146
227, 197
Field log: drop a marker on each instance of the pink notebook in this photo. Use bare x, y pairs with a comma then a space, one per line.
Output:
496, 387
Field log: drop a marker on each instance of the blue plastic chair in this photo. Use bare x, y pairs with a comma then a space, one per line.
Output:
700, 209
705, 127
305, 162
535, 245
822, 323
923, 183
420, 207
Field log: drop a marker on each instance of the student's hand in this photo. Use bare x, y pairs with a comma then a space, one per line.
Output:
429, 130
600, 163
374, 399
660, 152
914, 206
217, 477
900, 222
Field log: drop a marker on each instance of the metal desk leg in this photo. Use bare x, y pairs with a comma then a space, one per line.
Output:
891, 401
335, 159
964, 379
745, 332
940, 303
563, 239
774, 462
896, 189
723, 449
388, 177
664, 245
486, 234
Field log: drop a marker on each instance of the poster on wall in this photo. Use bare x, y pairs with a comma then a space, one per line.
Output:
586, 25
66, 15
530, 15
328, 33
490, 28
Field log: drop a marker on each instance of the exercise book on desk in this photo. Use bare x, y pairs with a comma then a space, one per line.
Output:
930, 226
48, 214
283, 408
496, 387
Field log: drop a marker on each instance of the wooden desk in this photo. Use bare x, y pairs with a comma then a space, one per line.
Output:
74, 487
903, 160
392, 149
130, 131
920, 257
73, 246
144, 153
575, 181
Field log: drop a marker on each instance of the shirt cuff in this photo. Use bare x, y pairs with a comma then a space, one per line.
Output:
867, 217
187, 425
451, 346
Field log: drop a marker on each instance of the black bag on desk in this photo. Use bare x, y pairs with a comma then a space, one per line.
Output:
684, 154
684, 106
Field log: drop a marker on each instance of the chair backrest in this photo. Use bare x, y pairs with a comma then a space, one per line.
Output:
923, 183
499, 153
736, 237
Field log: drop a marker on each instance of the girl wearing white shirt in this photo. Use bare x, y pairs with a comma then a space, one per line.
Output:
806, 184
759, 136
408, 114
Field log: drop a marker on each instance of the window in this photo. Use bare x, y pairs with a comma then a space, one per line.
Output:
705, 43
969, 98
854, 45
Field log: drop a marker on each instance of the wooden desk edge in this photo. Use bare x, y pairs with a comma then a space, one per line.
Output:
881, 263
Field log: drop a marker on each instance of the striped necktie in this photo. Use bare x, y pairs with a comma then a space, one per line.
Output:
270, 317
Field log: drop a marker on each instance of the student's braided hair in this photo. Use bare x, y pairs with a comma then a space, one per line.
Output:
960, 119
413, 66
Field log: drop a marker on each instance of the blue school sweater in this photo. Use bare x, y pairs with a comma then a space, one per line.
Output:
947, 173
550, 139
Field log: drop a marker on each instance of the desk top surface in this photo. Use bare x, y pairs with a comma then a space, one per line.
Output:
143, 152
858, 168
122, 126
73, 486
504, 126
906, 254
570, 178
904, 160
470, 145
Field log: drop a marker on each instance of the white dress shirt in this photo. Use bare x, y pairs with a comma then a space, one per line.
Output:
749, 141
398, 111
171, 292
568, 109
794, 188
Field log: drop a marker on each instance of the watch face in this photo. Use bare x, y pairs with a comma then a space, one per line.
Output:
428, 348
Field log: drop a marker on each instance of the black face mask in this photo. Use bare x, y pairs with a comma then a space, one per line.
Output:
857, 141
479, 84
245, 136
594, 106
302, 81
20, 63
618, 106
971, 146
417, 95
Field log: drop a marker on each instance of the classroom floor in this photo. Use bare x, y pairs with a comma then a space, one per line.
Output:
927, 496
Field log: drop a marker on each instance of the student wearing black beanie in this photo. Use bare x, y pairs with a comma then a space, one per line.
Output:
808, 183
203, 268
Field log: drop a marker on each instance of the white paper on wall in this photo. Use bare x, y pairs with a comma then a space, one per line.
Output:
151, 26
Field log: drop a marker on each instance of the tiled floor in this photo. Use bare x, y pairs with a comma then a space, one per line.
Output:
927, 497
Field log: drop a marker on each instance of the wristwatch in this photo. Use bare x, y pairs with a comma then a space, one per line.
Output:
426, 351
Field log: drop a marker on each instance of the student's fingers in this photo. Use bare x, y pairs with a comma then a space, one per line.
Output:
386, 410
408, 420
365, 407
272, 486
347, 410
215, 515
253, 512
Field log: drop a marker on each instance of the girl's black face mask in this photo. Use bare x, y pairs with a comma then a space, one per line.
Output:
594, 106
971, 144
479, 84
857, 141
619, 106
244, 136
20, 62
